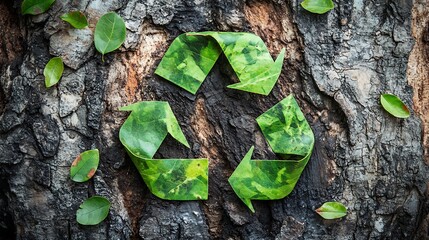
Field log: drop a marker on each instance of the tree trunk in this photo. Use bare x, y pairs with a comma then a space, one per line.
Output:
337, 65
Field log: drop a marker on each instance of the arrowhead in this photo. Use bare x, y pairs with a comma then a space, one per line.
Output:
285, 128
239, 180
147, 126
265, 81
173, 126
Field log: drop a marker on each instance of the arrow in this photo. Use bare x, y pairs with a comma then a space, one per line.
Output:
290, 136
142, 134
191, 56
250, 59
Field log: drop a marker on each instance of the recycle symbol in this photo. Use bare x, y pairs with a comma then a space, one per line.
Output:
186, 63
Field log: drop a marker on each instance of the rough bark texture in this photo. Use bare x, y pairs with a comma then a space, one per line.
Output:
337, 65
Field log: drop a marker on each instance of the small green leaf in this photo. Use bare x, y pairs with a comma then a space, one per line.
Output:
34, 7
53, 71
332, 210
93, 211
393, 105
109, 33
76, 18
318, 6
84, 166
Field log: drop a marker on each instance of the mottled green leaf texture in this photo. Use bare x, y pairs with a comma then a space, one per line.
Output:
142, 134
109, 33
393, 105
53, 71
84, 166
93, 211
318, 6
192, 55
291, 138
34, 7
332, 210
188, 61
76, 18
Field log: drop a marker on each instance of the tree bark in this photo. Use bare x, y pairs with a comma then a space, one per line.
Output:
336, 65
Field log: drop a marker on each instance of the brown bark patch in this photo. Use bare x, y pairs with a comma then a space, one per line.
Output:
274, 24
134, 196
418, 71
11, 39
140, 64
204, 131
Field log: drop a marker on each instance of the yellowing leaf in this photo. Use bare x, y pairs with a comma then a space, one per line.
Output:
393, 105
76, 18
84, 166
34, 7
93, 211
332, 210
53, 71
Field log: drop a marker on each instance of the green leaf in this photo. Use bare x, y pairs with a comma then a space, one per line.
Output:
393, 105
332, 210
53, 71
34, 7
109, 33
142, 134
93, 211
318, 6
76, 18
290, 136
84, 166
191, 56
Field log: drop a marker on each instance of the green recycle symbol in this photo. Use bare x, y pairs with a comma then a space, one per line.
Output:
284, 125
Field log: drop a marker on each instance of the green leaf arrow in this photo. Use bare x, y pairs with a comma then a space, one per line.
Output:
290, 136
191, 56
76, 18
142, 134
332, 210
188, 61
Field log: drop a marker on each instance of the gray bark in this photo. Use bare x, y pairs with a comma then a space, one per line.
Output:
337, 65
